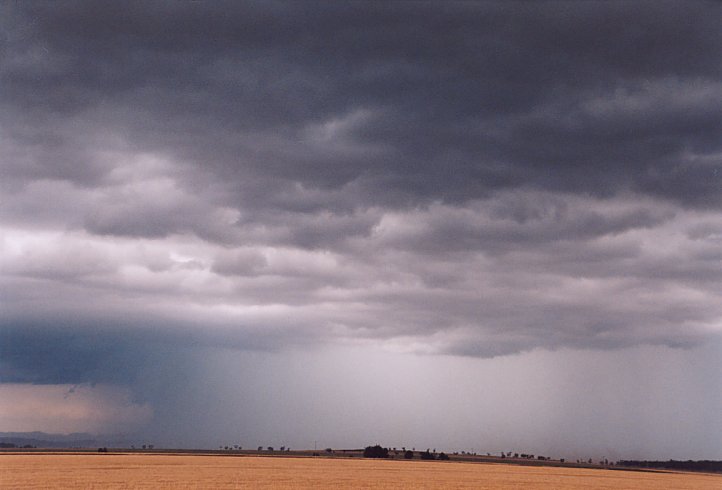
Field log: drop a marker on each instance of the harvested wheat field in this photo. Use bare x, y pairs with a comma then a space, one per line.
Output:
114, 471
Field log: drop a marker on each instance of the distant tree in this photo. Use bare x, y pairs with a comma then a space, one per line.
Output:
260, 448
329, 450
376, 452
408, 455
427, 455
270, 448
443, 456
283, 448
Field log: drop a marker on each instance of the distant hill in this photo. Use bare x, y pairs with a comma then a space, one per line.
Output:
704, 465
56, 441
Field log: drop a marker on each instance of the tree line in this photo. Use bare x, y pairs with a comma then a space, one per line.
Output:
689, 465
378, 451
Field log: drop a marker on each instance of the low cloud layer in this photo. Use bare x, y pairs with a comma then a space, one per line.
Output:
69, 408
466, 179
519, 270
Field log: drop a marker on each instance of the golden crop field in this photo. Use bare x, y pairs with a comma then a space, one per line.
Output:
129, 471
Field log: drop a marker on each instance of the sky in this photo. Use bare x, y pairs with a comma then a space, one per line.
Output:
467, 226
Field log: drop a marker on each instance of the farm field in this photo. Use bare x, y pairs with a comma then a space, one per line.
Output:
158, 471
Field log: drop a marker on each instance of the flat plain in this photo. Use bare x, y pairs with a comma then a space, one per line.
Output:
165, 471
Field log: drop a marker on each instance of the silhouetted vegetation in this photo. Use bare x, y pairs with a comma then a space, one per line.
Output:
11, 445
408, 455
705, 465
426, 455
443, 457
376, 452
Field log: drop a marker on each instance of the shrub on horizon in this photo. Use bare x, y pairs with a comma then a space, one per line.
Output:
376, 452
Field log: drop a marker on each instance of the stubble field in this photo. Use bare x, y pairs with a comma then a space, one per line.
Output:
130, 471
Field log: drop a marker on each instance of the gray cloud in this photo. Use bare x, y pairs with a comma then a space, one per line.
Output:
470, 98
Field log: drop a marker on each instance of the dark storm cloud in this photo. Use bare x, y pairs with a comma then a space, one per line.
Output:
70, 350
67, 354
462, 98
483, 178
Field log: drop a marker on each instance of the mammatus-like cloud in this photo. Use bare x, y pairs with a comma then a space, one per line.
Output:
474, 180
